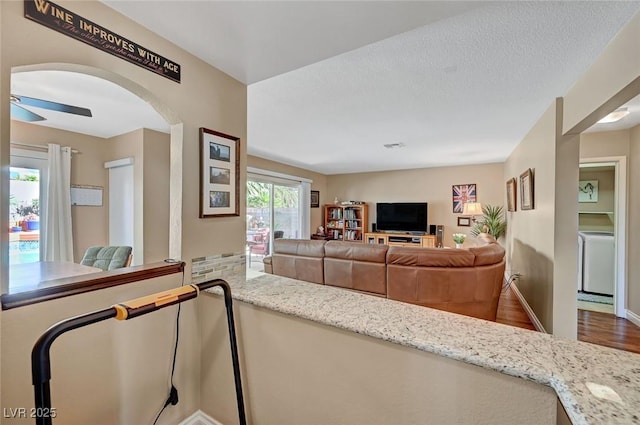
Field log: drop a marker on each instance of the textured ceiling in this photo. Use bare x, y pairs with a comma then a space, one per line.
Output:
462, 90
256, 40
331, 82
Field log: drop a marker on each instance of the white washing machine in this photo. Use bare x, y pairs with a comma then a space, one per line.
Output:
580, 254
598, 262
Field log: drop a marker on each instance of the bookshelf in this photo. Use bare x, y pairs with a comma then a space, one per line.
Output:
346, 222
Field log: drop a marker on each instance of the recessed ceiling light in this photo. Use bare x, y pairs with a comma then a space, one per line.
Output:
616, 115
394, 145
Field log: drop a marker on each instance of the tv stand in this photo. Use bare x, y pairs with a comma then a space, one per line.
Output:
400, 239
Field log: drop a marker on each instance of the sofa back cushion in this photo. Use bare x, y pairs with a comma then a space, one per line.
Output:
459, 281
487, 254
430, 257
298, 259
355, 265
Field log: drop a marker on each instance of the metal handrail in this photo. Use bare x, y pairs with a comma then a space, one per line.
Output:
40, 356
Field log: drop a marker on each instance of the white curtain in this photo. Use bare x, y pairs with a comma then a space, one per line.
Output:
58, 239
305, 209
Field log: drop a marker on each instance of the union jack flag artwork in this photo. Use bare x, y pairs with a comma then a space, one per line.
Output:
463, 193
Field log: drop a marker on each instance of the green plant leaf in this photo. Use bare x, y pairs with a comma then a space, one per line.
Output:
493, 219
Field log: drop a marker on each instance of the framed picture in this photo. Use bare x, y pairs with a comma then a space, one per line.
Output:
588, 191
512, 199
463, 193
315, 199
464, 221
526, 190
219, 174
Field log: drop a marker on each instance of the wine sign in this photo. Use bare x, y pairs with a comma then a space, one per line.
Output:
66, 22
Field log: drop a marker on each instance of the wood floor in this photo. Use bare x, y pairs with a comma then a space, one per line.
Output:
594, 327
510, 311
608, 330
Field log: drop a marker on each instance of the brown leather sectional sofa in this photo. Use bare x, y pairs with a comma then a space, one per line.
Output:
464, 281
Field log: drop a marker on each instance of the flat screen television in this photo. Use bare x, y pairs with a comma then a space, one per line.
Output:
401, 216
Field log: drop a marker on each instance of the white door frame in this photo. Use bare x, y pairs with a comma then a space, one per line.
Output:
620, 229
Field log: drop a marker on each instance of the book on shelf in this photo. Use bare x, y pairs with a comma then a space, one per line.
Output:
351, 235
351, 214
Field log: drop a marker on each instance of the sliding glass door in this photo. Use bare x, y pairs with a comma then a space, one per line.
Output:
274, 210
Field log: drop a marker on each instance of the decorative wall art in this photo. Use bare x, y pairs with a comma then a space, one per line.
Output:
219, 174
526, 190
463, 193
464, 221
512, 199
588, 191
315, 199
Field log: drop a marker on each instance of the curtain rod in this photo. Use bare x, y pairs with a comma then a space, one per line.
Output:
43, 147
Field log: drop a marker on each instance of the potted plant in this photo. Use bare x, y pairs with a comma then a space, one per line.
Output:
30, 215
492, 222
14, 216
459, 238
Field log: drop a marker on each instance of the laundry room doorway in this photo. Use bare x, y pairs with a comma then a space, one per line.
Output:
602, 212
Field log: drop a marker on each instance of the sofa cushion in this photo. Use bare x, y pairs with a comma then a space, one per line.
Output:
355, 265
106, 257
306, 248
430, 257
298, 259
356, 251
472, 291
487, 254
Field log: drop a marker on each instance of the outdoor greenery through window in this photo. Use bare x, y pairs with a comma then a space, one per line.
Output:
24, 217
273, 211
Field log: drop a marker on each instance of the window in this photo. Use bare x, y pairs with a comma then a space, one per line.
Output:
27, 198
277, 207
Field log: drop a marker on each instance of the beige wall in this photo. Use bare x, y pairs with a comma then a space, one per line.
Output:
319, 182
156, 196
431, 185
616, 67
530, 249
606, 195
131, 145
582, 108
547, 234
621, 143
633, 224
150, 150
87, 168
299, 372
206, 97
224, 109
604, 144
4, 186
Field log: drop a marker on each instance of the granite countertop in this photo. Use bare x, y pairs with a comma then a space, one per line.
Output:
596, 385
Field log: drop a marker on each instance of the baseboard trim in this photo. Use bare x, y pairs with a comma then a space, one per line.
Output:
633, 318
527, 308
200, 418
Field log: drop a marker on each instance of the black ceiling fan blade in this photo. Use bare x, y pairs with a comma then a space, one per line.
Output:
54, 106
20, 113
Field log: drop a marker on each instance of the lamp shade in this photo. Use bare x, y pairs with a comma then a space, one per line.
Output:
472, 208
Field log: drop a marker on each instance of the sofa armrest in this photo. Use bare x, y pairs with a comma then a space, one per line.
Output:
268, 264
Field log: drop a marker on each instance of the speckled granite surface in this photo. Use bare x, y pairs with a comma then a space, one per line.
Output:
577, 371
